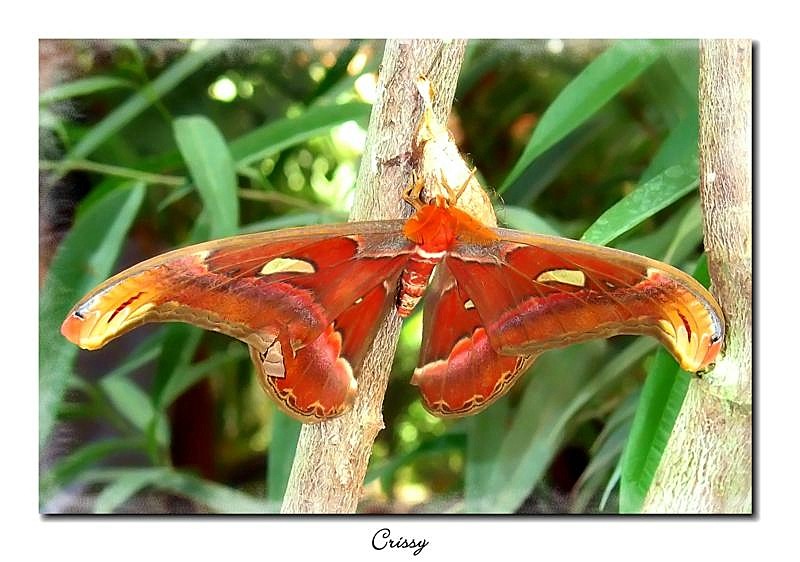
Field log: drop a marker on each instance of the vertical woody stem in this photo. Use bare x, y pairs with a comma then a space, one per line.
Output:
707, 464
332, 457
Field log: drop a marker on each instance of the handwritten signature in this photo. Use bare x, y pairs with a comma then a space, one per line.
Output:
382, 539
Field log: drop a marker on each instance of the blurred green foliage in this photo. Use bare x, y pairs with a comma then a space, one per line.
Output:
151, 145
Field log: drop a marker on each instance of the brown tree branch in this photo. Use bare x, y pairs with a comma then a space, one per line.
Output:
332, 457
707, 464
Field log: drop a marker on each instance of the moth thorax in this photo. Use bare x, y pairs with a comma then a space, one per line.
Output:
415, 279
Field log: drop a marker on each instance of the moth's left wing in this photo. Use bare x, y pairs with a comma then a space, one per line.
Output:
307, 301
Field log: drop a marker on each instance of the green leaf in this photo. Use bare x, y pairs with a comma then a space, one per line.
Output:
84, 259
481, 455
134, 405
83, 87
622, 415
338, 71
645, 201
278, 135
656, 243
548, 166
147, 351
180, 343
662, 397
188, 375
687, 236
660, 403
604, 78
211, 166
606, 452
445, 442
295, 219
565, 382
531, 440
682, 55
524, 219
601, 466
141, 100
121, 490
69, 467
613, 480
673, 172
285, 433
679, 146
216, 497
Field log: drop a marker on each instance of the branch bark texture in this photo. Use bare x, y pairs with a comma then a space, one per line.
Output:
707, 464
332, 457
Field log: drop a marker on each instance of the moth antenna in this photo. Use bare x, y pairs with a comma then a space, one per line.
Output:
454, 195
411, 194
465, 184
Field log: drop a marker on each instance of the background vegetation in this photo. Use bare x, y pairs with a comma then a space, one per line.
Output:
151, 145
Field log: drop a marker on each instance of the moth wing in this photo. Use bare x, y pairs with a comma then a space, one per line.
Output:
306, 300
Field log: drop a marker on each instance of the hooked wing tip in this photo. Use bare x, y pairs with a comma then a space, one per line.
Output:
73, 328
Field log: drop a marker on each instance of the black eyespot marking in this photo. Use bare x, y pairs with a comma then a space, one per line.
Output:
77, 314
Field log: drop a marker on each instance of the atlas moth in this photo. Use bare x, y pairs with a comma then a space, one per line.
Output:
309, 301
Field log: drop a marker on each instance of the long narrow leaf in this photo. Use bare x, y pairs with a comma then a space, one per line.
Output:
216, 497
134, 405
84, 259
446, 442
532, 439
83, 87
548, 166
71, 466
609, 73
657, 243
138, 102
606, 452
482, 448
521, 218
598, 471
543, 416
211, 166
644, 202
659, 406
661, 401
679, 146
180, 343
185, 377
121, 490
298, 219
673, 172
687, 236
682, 55
285, 432
278, 135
